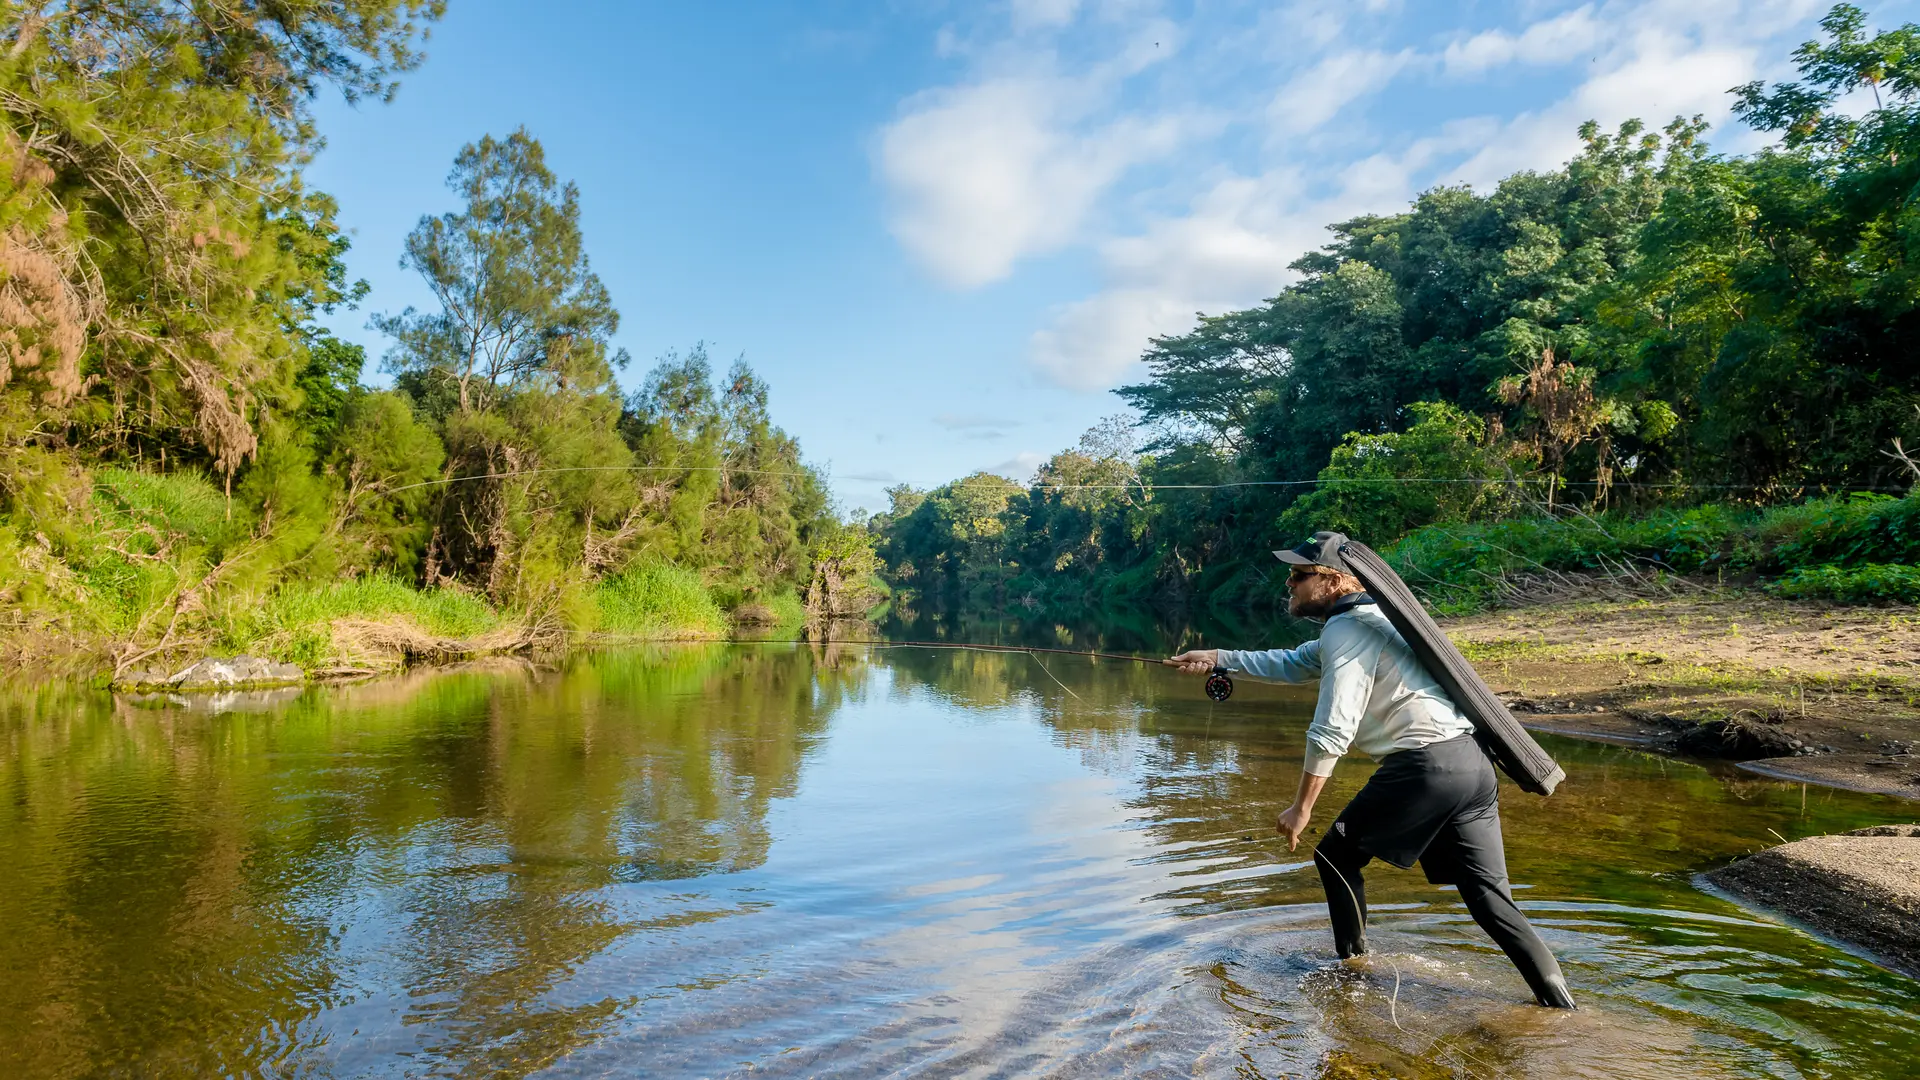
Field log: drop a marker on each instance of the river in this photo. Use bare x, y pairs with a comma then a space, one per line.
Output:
770, 859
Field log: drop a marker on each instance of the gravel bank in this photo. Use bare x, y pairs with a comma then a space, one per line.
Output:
1862, 887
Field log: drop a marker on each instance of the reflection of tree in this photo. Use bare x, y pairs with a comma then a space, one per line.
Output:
180, 883
623, 767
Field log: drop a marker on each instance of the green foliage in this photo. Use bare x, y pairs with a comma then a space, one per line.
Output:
295, 622
181, 507
386, 460
510, 269
1836, 548
1650, 328
846, 577
1383, 486
162, 274
651, 598
1864, 584
188, 460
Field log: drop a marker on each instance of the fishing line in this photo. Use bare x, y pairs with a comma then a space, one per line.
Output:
1218, 686
1051, 675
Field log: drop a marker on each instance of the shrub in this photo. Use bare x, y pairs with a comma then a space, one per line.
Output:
1860, 548
1885, 583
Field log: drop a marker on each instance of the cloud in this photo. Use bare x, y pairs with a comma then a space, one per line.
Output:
881, 477
1035, 14
1317, 95
1053, 155
1020, 467
1564, 37
982, 175
1008, 163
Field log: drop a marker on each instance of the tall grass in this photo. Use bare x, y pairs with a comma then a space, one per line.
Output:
295, 622
1860, 548
654, 599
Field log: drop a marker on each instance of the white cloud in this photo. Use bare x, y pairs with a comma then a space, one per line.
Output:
1011, 165
1008, 164
1032, 14
1317, 95
982, 175
1551, 41
1020, 467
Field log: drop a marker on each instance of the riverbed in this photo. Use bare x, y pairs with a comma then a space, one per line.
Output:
774, 859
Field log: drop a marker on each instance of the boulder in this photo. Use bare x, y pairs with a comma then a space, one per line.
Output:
215, 673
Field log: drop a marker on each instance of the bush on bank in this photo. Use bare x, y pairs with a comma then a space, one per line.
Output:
1859, 548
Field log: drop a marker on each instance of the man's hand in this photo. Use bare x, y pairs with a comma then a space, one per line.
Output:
1196, 661
1293, 825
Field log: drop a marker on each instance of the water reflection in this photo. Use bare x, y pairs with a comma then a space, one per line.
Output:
794, 860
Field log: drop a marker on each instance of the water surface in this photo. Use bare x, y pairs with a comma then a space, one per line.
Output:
775, 859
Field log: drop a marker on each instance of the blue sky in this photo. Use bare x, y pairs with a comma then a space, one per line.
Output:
943, 232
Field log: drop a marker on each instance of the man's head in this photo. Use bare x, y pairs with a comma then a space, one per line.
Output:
1313, 590
1319, 576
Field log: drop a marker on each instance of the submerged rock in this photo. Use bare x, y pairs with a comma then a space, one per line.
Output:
215, 673
1863, 888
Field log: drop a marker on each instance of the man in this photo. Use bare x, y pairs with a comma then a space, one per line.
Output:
1434, 797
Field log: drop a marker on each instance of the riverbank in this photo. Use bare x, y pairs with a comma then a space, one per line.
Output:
1862, 887
1800, 690
373, 625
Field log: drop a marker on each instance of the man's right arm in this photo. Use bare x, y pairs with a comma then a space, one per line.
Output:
1276, 665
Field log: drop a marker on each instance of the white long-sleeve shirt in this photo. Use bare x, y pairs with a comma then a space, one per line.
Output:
1375, 695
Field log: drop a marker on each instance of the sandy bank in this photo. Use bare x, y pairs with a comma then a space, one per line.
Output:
1819, 693
1862, 888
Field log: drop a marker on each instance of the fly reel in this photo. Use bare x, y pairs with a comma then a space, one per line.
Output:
1219, 687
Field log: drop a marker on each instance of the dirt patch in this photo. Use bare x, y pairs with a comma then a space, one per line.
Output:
1746, 629
1863, 888
1735, 675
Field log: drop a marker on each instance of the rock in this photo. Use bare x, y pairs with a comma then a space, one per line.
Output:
1863, 888
240, 671
1887, 830
141, 679
214, 673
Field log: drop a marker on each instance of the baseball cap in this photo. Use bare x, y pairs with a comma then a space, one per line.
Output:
1322, 550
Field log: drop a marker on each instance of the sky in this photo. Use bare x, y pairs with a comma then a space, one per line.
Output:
944, 232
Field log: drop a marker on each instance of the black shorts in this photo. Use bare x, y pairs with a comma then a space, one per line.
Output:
1438, 805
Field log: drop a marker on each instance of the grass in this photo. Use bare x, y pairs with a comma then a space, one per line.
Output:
1866, 583
295, 623
654, 599
1853, 548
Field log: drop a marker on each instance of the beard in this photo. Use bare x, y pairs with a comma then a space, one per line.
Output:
1315, 597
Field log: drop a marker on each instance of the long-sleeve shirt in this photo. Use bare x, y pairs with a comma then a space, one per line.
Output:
1375, 695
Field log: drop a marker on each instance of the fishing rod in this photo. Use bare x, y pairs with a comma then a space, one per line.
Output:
1218, 686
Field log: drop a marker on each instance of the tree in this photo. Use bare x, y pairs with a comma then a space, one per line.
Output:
517, 297
159, 245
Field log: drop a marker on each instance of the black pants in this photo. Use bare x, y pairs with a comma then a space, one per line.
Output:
1438, 805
